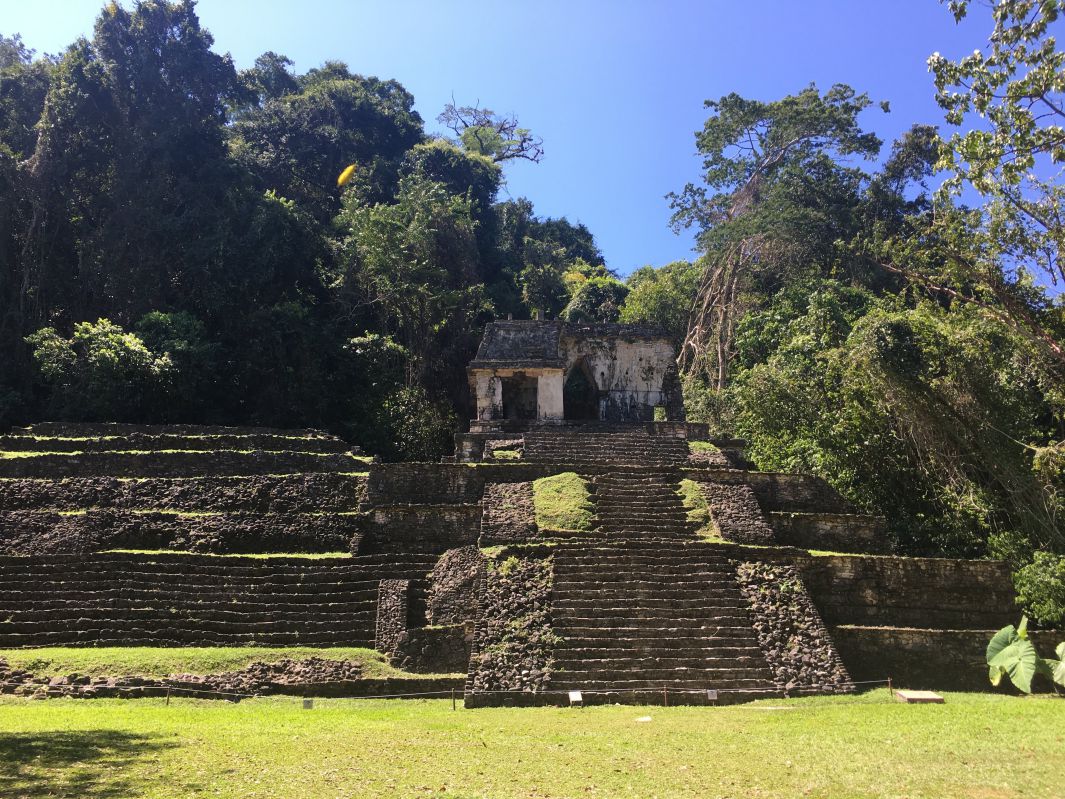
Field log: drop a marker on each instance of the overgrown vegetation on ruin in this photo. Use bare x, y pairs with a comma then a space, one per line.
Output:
886, 315
152, 661
562, 502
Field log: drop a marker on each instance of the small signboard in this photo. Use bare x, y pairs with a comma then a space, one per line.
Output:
576, 698
711, 694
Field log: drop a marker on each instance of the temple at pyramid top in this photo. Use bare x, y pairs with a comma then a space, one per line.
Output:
529, 372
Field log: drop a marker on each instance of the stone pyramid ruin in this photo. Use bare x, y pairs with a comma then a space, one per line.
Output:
690, 578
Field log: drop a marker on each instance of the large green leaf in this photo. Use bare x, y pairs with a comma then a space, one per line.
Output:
1001, 639
1058, 672
1021, 662
994, 673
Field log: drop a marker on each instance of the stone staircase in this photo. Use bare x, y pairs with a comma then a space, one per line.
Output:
603, 448
641, 504
653, 622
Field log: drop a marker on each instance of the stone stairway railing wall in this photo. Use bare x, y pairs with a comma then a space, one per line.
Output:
119, 599
508, 514
795, 641
512, 659
736, 514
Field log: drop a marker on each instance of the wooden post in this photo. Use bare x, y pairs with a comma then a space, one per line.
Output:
168, 696
452, 698
665, 696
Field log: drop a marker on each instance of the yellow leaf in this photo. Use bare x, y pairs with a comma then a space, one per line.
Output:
345, 176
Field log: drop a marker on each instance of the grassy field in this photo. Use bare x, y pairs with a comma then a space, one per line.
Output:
979, 746
156, 661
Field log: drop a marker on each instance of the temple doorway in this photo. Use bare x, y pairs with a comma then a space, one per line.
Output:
580, 397
519, 397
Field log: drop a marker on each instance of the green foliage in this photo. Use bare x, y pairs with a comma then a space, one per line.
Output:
1008, 100
912, 412
662, 297
420, 428
102, 373
562, 502
598, 299
1011, 654
414, 264
1041, 588
698, 509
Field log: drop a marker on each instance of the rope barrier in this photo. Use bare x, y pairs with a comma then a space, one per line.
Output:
665, 690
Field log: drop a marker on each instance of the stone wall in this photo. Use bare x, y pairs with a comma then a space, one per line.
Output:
293, 493
455, 586
780, 492
40, 533
834, 532
174, 441
924, 658
434, 650
634, 370
910, 592
418, 528
125, 599
393, 609
176, 464
508, 516
796, 644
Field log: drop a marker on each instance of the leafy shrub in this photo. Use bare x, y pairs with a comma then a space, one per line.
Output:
101, 373
1041, 588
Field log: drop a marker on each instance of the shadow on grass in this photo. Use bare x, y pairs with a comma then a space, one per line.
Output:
93, 764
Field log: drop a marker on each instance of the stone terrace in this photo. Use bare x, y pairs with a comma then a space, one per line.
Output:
105, 530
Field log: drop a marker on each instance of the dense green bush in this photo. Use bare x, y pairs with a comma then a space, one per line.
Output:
1041, 588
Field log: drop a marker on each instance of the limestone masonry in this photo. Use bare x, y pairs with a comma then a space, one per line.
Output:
111, 535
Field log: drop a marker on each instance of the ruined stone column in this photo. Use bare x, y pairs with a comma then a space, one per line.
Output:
549, 395
489, 394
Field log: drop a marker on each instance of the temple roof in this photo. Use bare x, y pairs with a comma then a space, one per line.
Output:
531, 344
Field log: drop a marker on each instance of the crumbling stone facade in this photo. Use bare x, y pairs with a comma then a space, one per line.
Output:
635, 608
528, 371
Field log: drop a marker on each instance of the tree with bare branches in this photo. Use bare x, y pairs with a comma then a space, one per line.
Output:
496, 136
751, 151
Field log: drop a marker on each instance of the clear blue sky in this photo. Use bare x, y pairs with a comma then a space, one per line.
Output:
614, 87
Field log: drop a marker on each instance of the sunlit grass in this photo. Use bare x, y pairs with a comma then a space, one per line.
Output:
870, 746
562, 502
148, 661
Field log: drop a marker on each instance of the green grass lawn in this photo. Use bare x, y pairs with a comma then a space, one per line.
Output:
869, 746
702, 446
148, 661
562, 502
